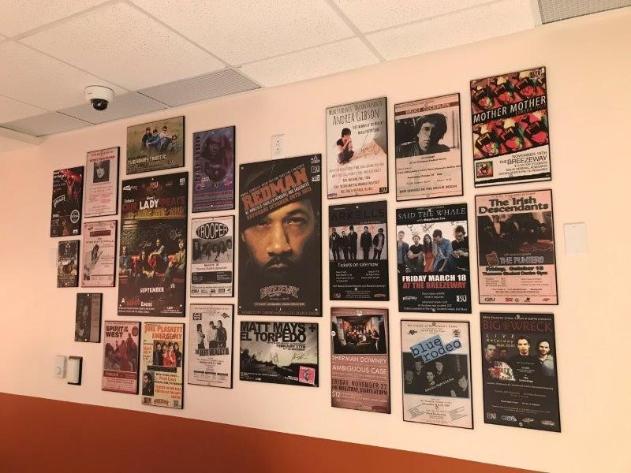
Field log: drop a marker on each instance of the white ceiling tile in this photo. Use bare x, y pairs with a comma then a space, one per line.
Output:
11, 110
555, 10
123, 45
34, 78
123, 106
45, 124
458, 28
310, 63
241, 31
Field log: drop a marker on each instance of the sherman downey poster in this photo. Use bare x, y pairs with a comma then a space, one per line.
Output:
437, 373
99, 254
155, 145
516, 249
428, 152
433, 259
67, 202
358, 252
68, 263
519, 370
212, 267
357, 149
360, 366
152, 259
121, 356
280, 254
101, 182
511, 141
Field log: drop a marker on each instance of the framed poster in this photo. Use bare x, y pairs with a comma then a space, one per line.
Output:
360, 360
211, 332
155, 145
509, 115
280, 254
101, 182
162, 363
68, 263
357, 148
519, 370
99, 254
436, 358
358, 251
279, 352
88, 318
428, 151
212, 269
433, 259
121, 356
67, 202
516, 248
213, 169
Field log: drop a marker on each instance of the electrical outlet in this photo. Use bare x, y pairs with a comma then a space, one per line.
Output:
277, 146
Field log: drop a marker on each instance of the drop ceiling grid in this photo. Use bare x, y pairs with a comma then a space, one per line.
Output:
11, 109
556, 10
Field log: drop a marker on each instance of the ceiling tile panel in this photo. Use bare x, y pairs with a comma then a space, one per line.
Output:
123, 106
555, 10
45, 124
11, 110
123, 45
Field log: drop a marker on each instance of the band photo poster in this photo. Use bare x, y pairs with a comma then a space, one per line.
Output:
279, 352
88, 317
68, 263
101, 182
519, 370
357, 148
152, 254
516, 248
99, 254
428, 151
436, 358
433, 259
155, 145
210, 348
358, 252
280, 253
511, 141
212, 267
121, 356
162, 364
67, 202
360, 367
213, 169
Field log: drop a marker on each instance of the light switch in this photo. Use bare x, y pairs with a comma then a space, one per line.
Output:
60, 366
277, 146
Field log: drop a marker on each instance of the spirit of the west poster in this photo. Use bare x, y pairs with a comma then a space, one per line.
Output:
121, 356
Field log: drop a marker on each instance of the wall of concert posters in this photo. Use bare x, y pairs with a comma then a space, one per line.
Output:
101, 182
212, 268
68, 263
88, 317
155, 145
67, 202
121, 356
99, 254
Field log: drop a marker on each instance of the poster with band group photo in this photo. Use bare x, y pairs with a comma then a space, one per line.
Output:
101, 182
68, 263
121, 356
99, 254
212, 267
67, 202
155, 145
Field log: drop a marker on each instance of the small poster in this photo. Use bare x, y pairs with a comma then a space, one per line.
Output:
88, 318
212, 269
155, 145
67, 202
360, 366
358, 251
99, 254
211, 331
357, 148
121, 357
101, 182
519, 371
68, 263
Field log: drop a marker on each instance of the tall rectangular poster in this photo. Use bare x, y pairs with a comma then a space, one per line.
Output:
162, 364
358, 252
99, 254
357, 148
279, 352
360, 360
436, 368
67, 202
511, 141
68, 263
121, 356
280, 254
213, 169
101, 182
212, 268
152, 258
516, 249
428, 152
519, 370
433, 259
88, 317
155, 145
210, 348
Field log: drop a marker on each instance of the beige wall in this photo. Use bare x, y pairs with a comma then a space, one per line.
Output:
588, 63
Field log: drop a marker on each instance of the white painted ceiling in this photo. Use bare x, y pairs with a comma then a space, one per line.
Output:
157, 54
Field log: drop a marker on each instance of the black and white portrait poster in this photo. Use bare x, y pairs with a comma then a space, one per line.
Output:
88, 317
357, 149
280, 256
511, 141
155, 145
121, 356
210, 347
436, 358
99, 254
212, 268
433, 259
428, 148
68, 263
519, 370
101, 182
67, 202
152, 258
279, 352
358, 251
213, 169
